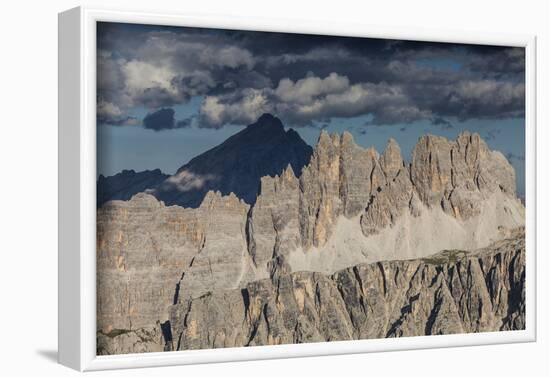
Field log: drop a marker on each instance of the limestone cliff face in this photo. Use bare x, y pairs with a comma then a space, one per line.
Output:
334, 251
458, 175
340, 179
451, 292
149, 254
382, 207
274, 222
455, 176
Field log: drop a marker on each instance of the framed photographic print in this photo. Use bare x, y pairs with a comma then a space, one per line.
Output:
238, 189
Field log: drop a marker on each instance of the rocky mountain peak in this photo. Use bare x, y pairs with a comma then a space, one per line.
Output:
288, 173
347, 138
391, 159
331, 145
324, 140
267, 120
236, 166
458, 175
267, 126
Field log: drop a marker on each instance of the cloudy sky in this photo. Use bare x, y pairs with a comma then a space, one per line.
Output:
166, 94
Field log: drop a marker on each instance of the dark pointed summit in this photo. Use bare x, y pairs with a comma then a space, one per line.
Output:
265, 130
267, 123
267, 119
263, 148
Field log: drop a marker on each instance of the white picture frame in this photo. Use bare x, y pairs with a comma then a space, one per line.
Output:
77, 191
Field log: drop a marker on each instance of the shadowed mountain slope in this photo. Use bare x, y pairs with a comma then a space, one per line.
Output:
262, 149
124, 185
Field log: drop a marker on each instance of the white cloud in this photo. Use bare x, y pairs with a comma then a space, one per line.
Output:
231, 56
168, 69
109, 113
490, 90
215, 112
316, 54
305, 90
311, 98
108, 109
140, 76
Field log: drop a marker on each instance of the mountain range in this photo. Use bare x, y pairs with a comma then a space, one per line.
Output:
261, 149
264, 241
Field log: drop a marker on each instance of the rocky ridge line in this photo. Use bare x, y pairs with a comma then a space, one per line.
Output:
448, 293
451, 292
151, 256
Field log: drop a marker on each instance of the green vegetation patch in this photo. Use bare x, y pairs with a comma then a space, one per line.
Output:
445, 257
115, 332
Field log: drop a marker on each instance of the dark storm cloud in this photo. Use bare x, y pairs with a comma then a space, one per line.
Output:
164, 119
499, 63
442, 122
160, 120
118, 121
184, 123
304, 79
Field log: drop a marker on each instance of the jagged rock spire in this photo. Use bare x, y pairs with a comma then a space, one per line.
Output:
458, 174
391, 160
